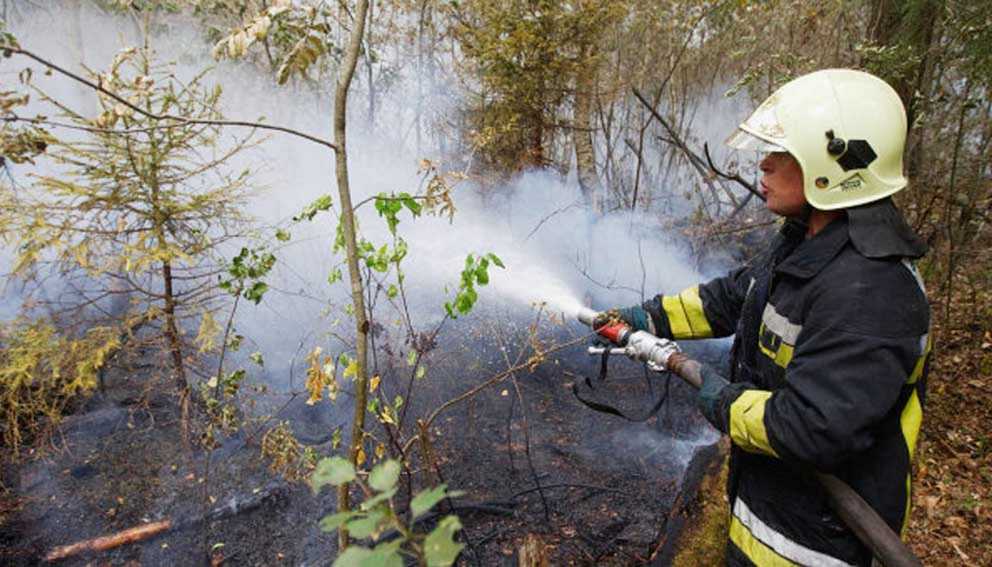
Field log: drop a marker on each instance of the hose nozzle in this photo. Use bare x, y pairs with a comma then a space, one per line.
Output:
617, 332
587, 316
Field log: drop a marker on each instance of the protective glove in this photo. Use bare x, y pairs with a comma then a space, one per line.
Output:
712, 396
635, 316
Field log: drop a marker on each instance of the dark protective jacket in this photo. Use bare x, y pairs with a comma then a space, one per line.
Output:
828, 372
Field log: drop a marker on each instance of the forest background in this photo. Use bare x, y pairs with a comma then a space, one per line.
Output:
564, 88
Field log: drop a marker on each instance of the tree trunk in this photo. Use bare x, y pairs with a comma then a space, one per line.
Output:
892, 25
535, 153
585, 154
347, 71
175, 349
369, 70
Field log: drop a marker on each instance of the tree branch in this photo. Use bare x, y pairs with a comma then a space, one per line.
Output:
9, 49
694, 158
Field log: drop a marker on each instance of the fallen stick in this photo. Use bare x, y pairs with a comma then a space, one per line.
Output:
104, 543
232, 507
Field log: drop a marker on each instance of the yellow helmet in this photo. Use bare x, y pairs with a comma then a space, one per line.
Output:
846, 128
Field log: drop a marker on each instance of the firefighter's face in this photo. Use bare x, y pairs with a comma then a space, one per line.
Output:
782, 184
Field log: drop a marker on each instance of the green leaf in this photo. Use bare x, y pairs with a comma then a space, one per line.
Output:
319, 204
392, 291
427, 499
335, 276
482, 275
256, 291
334, 521
378, 499
440, 547
256, 357
364, 527
411, 204
354, 556
421, 372
495, 260
351, 370
411, 358
334, 471
386, 554
384, 476
282, 235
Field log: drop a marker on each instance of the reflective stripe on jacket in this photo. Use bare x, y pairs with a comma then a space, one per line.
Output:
834, 380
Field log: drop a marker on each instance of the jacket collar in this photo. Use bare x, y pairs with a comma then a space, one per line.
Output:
813, 254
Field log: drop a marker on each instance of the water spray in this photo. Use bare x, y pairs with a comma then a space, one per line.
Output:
662, 355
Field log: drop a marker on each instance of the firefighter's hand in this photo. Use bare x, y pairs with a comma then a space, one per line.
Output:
710, 399
635, 316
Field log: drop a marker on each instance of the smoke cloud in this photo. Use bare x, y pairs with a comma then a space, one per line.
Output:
555, 250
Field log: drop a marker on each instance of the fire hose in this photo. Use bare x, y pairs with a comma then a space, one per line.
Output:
662, 355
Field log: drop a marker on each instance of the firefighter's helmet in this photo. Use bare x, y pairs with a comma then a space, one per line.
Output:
846, 128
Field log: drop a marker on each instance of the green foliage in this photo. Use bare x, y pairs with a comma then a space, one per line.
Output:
973, 48
295, 38
475, 272
136, 210
320, 204
286, 455
41, 374
19, 142
527, 55
333, 471
427, 499
440, 547
389, 207
246, 271
377, 514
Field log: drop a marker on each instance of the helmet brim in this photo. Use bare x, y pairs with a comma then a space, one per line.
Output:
742, 140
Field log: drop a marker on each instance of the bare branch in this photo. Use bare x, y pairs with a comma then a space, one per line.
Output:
694, 159
7, 49
735, 177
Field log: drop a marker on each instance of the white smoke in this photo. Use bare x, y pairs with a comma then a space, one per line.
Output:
554, 249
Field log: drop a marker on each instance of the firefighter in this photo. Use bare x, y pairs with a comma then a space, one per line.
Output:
831, 324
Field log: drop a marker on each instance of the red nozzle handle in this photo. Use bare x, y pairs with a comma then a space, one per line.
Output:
616, 333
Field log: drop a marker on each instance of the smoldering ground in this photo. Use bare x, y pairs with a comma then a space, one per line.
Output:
556, 252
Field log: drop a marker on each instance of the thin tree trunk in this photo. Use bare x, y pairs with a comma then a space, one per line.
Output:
952, 235
346, 73
585, 153
175, 349
369, 69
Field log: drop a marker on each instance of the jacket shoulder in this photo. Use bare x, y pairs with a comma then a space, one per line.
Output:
874, 296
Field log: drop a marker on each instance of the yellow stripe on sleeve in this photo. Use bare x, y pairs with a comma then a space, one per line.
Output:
677, 319
692, 304
747, 422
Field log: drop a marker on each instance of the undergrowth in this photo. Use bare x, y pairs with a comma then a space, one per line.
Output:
41, 374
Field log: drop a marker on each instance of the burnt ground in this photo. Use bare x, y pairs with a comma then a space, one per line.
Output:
606, 485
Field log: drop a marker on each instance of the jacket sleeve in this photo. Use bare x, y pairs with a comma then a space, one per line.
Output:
853, 357
702, 311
